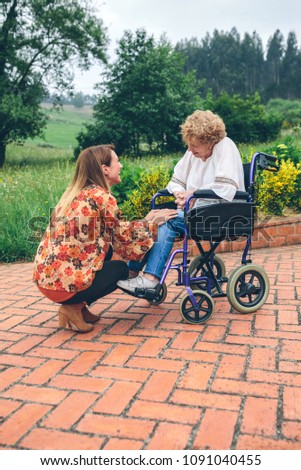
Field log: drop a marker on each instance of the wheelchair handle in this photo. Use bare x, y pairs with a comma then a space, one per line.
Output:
267, 162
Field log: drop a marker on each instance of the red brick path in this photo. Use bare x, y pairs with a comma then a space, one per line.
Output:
144, 379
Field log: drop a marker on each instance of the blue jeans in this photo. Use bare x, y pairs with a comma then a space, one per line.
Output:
156, 258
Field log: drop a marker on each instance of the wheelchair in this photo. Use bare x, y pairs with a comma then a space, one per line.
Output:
247, 287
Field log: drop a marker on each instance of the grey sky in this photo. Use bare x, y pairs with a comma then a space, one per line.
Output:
180, 19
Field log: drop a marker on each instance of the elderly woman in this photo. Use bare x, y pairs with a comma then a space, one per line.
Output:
212, 161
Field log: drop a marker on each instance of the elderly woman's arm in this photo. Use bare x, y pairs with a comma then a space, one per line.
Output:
178, 182
228, 176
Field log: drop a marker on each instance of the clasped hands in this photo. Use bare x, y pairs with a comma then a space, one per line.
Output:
180, 198
160, 216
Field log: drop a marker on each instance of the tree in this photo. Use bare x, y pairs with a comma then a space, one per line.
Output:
226, 62
290, 71
223, 62
247, 120
144, 97
78, 100
273, 64
40, 40
253, 63
218, 60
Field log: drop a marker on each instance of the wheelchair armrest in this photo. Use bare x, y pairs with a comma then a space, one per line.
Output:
210, 194
205, 194
164, 192
165, 205
241, 195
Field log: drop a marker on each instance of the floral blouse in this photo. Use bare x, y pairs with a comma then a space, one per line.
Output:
74, 246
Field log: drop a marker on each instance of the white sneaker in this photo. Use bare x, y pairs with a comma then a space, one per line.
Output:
139, 282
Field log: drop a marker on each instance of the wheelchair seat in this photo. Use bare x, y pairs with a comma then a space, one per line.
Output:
216, 222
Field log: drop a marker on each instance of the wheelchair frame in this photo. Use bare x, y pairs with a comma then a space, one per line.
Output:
248, 285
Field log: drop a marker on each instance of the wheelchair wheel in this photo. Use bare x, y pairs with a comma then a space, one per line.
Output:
196, 269
160, 297
248, 288
204, 310
219, 267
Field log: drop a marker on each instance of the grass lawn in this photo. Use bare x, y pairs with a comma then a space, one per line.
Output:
63, 126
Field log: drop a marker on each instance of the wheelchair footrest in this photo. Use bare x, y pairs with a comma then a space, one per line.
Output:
148, 294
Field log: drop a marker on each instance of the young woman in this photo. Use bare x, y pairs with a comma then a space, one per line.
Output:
73, 263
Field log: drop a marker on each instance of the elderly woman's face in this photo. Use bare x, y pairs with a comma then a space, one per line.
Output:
200, 149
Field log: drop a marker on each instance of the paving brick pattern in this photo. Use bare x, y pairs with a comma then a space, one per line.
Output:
144, 379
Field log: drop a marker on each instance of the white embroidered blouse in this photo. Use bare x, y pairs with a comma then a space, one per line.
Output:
222, 172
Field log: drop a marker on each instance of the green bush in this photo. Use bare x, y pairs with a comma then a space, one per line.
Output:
277, 191
247, 120
130, 176
285, 150
139, 201
290, 109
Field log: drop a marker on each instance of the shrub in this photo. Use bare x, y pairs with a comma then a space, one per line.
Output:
139, 201
247, 120
295, 202
278, 190
130, 177
291, 109
285, 150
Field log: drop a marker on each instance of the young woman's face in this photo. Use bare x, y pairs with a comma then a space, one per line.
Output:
112, 172
200, 149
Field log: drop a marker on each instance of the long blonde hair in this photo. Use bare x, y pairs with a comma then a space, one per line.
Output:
88, 172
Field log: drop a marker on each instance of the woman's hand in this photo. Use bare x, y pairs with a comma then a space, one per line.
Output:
160, 216
181, 198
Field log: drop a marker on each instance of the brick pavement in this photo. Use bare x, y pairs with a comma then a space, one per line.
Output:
144, 379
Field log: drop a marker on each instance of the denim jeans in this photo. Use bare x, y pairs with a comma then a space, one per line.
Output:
156, 258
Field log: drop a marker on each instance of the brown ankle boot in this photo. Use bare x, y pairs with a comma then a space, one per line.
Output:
88, 316
71, 315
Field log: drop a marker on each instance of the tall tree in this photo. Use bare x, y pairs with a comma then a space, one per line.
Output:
40, 40
253, 63
273, 64
217, 60
144, 97
290, 71
225, 62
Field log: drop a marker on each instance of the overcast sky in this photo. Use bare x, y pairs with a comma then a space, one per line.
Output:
180, 19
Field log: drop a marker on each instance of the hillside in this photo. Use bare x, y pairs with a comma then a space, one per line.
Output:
63, 126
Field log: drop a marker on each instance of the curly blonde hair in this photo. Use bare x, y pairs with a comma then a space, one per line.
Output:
203, 126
